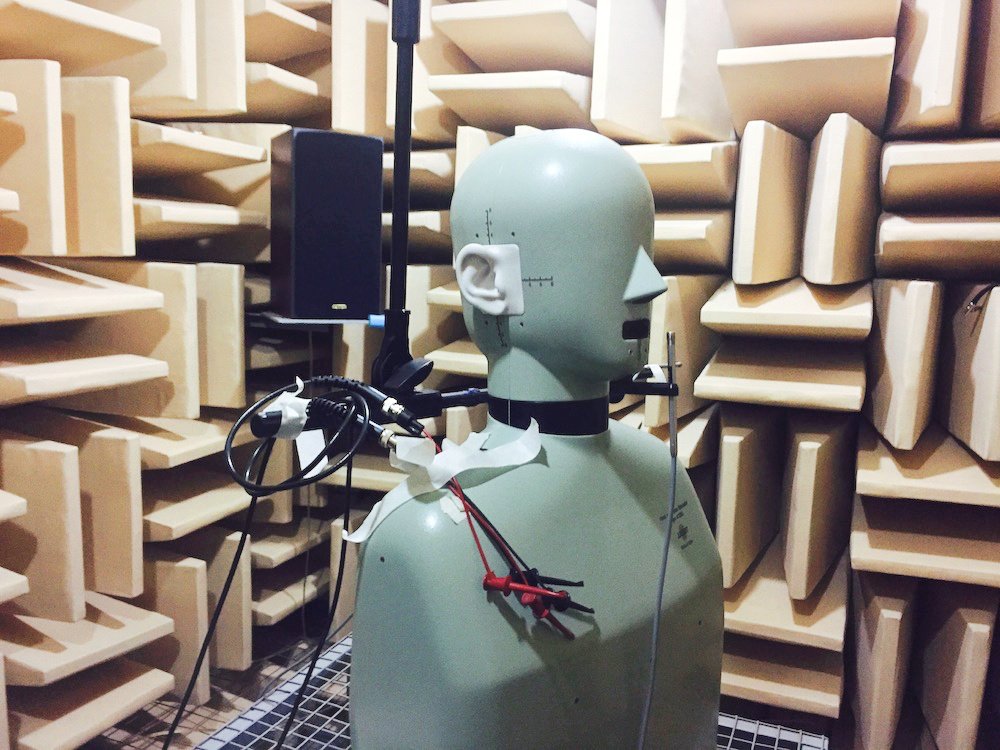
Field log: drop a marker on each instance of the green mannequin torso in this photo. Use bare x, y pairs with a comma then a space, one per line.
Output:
552, 235
438, 663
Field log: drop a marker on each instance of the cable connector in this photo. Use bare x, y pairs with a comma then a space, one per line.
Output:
324, 413
402, 416
507, 585
541, 601
387, 440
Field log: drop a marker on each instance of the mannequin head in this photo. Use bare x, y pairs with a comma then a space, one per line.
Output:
553, 235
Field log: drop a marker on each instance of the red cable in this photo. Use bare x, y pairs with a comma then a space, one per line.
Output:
471, 513
504, 549
468, 514
488, 528
475, 538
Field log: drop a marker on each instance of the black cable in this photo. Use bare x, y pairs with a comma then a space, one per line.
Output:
356, 412
354, 403
658, 614
301, 478
296, 664
496, 531
333, 608
654, 640
263, 452
306, 563
296, 480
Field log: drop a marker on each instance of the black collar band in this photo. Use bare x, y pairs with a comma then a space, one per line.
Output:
588, 417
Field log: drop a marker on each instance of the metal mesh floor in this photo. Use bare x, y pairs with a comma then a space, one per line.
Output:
323, 721
743, 734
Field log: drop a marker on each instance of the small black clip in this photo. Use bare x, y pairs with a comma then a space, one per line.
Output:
641, 384
559, 581
534, 578
562, 605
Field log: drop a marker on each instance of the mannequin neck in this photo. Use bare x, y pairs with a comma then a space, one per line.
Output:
521, 389
518, 376
553, 417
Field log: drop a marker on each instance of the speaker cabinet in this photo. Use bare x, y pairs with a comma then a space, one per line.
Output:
326, 225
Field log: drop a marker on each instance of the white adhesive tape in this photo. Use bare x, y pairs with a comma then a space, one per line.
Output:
452, 508
428, 471
658, 375
293, 412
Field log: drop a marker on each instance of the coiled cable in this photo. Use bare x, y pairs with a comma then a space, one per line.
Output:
350, 402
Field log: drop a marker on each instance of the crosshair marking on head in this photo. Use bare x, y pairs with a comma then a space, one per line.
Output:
539, 281
489, 226
500, 333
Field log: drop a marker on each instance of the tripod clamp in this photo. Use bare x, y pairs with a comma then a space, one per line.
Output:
651, 380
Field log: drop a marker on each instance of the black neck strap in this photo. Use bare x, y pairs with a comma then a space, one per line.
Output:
588, 417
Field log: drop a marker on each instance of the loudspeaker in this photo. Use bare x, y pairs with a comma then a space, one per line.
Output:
326, 225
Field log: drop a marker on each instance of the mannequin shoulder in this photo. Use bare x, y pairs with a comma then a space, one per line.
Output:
639, 446
417, 518
639, 452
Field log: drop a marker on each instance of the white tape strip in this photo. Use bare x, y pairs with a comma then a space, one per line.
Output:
412, 453
293, 412
309, 444
658, 375
452, 508
428, 471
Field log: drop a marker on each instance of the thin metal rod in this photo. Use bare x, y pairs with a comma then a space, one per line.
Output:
668, 534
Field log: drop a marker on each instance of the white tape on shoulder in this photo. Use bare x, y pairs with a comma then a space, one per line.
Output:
452, 508
412, 453
425, 476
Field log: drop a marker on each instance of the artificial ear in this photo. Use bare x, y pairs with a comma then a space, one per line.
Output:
489, 277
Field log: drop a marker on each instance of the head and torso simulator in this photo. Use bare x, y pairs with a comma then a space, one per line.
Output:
552, 233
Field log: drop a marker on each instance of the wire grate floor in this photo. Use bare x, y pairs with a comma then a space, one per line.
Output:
323, 720
746, 734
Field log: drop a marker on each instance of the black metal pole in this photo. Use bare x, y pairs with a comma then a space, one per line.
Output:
395, 351
405, 33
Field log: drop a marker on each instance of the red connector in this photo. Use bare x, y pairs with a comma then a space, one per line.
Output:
533, 597
536, 597
505, 585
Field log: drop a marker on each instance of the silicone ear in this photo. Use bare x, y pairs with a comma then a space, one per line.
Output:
489, 277
645, 283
